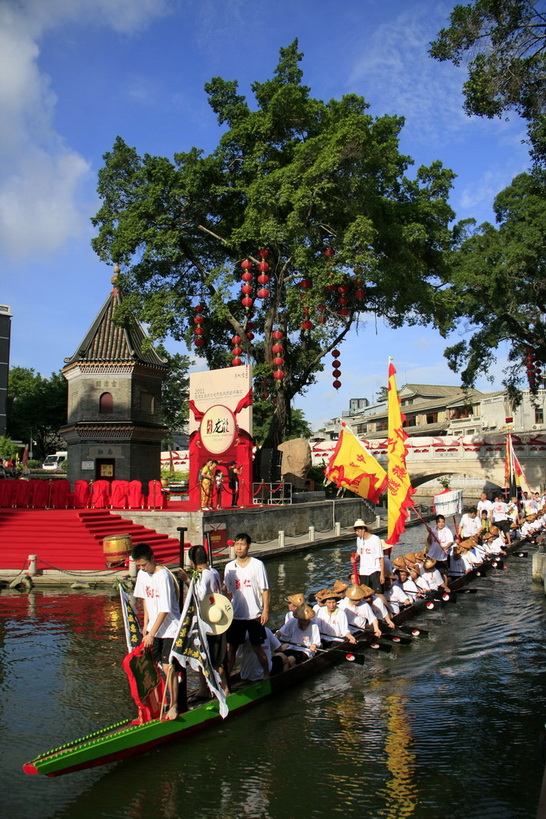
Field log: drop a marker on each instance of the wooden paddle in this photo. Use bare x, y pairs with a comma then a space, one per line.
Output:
349, 656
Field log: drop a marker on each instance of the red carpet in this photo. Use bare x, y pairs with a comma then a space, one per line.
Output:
71, 538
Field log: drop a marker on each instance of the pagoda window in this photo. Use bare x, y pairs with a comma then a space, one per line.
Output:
106, 404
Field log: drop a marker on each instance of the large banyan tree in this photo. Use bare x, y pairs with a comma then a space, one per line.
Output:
268, 250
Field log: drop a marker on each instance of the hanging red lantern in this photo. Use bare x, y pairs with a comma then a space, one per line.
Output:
236, 340
246, 289
278, 361
199, 342
199, 331
343, 311
198, 320
247, 302
306, 325
342, 288
343, 300
277, 334
360, 293
277, 348
250, 336
336, 369
263, 293
306, 284
236, 362
263, 267
278, 375
236, 351
247, 277
246, 264
199, 308
330, 252
331, 288
263, 253
263, 279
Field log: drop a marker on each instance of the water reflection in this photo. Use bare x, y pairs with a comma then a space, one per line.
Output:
356, 740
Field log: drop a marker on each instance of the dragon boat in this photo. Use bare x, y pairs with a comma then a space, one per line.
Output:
125, 739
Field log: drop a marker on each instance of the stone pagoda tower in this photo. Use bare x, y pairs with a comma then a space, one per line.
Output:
114, 427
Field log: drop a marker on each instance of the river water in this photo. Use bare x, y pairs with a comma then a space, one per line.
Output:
449, 726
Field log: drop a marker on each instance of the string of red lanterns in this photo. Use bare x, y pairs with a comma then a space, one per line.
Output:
534, 372
278, 350
199, 329
263, 278
336, 369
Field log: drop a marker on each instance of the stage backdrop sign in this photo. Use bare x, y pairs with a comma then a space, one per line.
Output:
221, 429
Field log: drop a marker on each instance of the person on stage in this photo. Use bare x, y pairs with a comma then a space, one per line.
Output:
234, 472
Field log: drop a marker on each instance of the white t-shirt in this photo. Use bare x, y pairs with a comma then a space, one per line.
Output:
485, 504
209, 583
332, 626
250, 665
435, 550
500, 510
246, 584
433, 580
470, 526
291, 632
370, 551
358, 616
159, 595
396, 597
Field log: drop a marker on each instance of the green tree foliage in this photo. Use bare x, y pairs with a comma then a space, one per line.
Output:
294, 175
8, 449
499, 284
36, 408
504, 42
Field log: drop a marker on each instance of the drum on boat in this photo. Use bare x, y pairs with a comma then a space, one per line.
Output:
116, 549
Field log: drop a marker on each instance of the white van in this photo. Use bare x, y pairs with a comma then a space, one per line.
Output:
53, 462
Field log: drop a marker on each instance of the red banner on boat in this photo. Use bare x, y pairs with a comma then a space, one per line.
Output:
145, 682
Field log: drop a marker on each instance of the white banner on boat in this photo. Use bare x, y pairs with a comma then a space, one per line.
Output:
448, 503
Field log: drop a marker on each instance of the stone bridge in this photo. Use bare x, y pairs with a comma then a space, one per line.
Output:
480, 457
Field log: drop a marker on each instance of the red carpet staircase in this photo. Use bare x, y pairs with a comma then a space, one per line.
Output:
71, 539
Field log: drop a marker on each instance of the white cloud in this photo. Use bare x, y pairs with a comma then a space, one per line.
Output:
45, 191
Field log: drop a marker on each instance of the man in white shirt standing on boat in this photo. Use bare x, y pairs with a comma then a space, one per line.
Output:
484, 503
470, 525
247, 586
439, 542
372, 562
155, 585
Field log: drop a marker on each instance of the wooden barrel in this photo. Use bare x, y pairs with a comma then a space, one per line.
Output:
116, 549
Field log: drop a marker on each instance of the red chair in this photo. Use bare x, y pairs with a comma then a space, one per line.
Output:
100, 495
41, 497
82, 494
60, 492
7, 492
136, 498
156, 496
22, 494
120, 494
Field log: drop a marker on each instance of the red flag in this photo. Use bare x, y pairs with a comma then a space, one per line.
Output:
399, 485
354, 468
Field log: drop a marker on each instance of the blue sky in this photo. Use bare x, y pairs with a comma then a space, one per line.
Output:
74, 74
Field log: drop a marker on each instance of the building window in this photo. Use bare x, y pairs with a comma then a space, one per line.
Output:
410, 422
432, 417
539, 415
381, 425
106, 404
